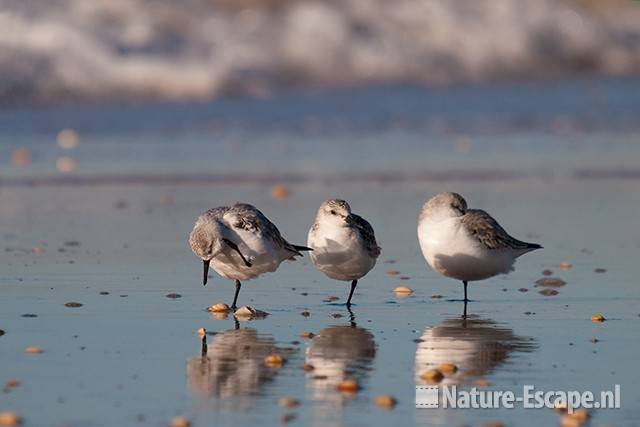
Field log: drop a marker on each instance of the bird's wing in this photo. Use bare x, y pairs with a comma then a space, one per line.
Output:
249, 218
366, 233
489, 233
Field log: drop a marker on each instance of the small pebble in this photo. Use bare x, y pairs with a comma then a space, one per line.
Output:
548, 292
393, 272
385, 401
594, 340
348, 386
598, 318
287, 418
432, 376
247, 313
547, 272
33, 350
280, 191
436, 296
306, 334
21, 157
336, 315
11, 384
9, 418
600, 270
481, 382
288, 402
448, 368
219, 308
308, 367
180, 422
403, 290
30, 315
2, 332
67, 139
173, 296
331, 299
104, 293
202, 332
274, 360
73, 304
65, 164
305, 314
523, 290
550, 282
565, 265
37, 250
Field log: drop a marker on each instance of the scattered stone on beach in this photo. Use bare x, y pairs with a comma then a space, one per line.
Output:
436, 296
550, 282
65, 164
180, 422
548, 292
348, 386
598, 318
565, 265
432, 376
10, 418
493, 424
104, 293
72, 243
405, 277
305, 334
29, 315
385, 401
11, 384
308, 367
121, 204
274, 361
67, 139
288, 402
2, 332
305, 314
523, 290
247, 313
594, 340
37, 249
393, 272
390, 261
547, 272
21, 157
448, 368
330, 299
33, 350
482, 382
173, 296
202, 332
287, 418
337, 315
403, 291
73, 304
600, 270
576, 418
280, 192
219, 308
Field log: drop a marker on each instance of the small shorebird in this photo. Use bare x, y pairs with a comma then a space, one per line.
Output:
466, 244
240, 243
344, 245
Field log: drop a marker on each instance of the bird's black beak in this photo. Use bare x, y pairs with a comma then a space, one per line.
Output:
205, 263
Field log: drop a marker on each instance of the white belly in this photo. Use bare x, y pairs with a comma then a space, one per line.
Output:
339, 253
264, 255
452, 252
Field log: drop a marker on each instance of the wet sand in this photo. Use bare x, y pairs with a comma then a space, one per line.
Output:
133, 356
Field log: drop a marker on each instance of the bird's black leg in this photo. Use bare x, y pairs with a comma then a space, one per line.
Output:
353, 288
464, 313
235, 298
204, 348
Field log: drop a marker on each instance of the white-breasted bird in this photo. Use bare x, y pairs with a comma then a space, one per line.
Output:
240, 243
343, 243
466, 244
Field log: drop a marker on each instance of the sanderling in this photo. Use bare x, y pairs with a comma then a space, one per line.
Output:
240, 243
344, 245
466, 244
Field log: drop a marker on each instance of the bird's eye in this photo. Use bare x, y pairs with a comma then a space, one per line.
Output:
333, 212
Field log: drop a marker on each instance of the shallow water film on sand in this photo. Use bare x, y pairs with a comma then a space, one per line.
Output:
102, 303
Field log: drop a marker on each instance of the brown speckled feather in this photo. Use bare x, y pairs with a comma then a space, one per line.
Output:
488, 232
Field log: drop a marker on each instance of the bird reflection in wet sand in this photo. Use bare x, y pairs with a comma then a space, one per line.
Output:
338, 353
232, 365
476, 346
